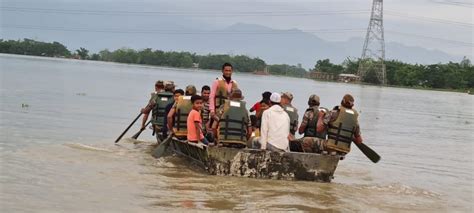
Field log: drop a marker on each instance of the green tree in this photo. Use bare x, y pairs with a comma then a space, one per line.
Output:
351, 66
95, 57
371, 76
83, 53
328, 67
288, 70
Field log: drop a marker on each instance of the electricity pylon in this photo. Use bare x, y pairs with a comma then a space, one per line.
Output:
373, 53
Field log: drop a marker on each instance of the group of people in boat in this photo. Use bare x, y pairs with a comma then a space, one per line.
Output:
219, 117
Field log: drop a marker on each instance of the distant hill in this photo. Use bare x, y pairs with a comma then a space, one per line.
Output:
295, 46
291, 46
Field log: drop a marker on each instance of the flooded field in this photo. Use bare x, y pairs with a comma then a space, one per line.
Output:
59, 118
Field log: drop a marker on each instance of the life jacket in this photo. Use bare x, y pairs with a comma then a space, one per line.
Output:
342, 130
293, 114
183, 107
221, 92
162, 100
232, 125
310, 130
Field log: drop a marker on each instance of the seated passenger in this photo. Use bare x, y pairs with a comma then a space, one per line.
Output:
194, 121
312, 140
265, 96
176, 94
205, 91
342, 127
286, 99
234, 126
275, 127
179, 113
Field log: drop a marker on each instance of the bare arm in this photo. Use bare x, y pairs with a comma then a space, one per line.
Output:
198, 130
303, 124
249, 132
145, 118
252, 109
146, 112
170, 119
212, 97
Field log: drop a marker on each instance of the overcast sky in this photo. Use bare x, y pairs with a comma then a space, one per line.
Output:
445, 25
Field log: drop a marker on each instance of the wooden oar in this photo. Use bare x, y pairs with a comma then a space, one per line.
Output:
125, 131
161, 149
371, 154
135, 136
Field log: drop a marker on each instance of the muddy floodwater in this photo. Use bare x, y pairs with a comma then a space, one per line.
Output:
59, 118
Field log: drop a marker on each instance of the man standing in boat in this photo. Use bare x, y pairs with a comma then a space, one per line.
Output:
156, 105
312, 140
342, 127
220, 89
275, 128
159, 87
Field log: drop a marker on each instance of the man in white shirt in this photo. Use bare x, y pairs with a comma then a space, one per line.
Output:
275, 127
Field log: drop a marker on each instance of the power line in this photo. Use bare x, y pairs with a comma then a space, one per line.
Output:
223, 32
454, 3
293, 13
182, 13
174, 32
461, 43
428, 19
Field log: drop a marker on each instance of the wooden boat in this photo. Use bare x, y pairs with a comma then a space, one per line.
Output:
257, 163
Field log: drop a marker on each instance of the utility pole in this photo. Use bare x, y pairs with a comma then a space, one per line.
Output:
373, 52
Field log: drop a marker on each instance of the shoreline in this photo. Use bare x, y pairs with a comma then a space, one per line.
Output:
211, 70
400, 87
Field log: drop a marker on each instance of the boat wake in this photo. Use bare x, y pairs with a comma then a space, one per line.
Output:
87, 147
398, 188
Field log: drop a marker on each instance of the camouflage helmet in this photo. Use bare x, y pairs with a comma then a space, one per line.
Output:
287, 95
190, 90
347, 101
313, 100
236, 93
169, 85
159, 83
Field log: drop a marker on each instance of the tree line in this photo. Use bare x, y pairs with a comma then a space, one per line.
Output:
146, 56
452, 75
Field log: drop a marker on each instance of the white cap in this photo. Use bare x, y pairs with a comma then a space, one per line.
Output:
275, 97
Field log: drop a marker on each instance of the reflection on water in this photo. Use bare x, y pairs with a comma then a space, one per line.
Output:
58, 153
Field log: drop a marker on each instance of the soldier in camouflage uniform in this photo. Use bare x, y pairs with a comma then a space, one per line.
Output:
159, 87
312, 141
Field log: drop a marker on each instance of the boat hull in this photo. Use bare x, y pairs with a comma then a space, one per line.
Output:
257, 163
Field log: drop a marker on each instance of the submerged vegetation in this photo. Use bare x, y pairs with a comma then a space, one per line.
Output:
452, 75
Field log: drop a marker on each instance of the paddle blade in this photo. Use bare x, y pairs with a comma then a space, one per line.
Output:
161, 149
371, 154
137, 134
141, 130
